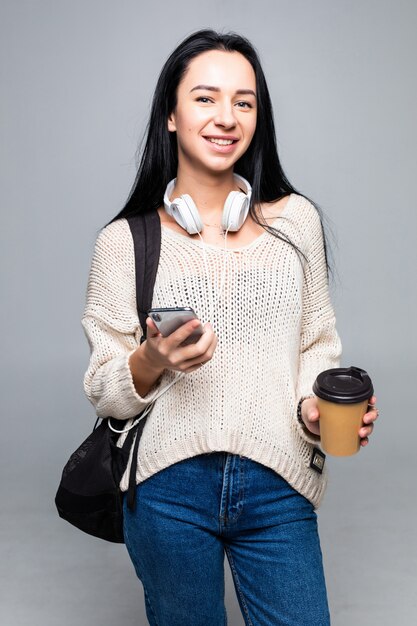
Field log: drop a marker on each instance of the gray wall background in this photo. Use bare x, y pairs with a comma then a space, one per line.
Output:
77, 80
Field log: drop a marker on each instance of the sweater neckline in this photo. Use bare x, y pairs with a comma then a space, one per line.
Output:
212, 246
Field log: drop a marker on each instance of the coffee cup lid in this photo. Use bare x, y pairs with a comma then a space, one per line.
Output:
343, 385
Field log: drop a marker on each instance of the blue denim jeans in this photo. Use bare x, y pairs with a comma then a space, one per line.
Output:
190, 514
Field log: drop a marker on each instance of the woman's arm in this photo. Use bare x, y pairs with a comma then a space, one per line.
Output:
320, 344
111, 325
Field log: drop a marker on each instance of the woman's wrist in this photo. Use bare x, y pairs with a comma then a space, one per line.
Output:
299, 408
311, 429
144, 373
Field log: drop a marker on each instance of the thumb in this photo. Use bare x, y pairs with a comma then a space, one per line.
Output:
152, 328
312, 414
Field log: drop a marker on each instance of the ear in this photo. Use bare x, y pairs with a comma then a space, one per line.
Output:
171, 123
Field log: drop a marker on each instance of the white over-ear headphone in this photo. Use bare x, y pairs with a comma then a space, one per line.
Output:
186, 214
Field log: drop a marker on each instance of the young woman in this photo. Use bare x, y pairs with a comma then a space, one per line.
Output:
224, 464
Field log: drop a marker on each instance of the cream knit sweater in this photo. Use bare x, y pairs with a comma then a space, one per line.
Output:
276, 332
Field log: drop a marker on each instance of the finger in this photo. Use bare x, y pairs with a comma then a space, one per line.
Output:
183, 332
364, 432
203, 356
194, 367
213, 337
152, 328
207, 332
200, 359
365, 441
197, 351
371, 416
202, 345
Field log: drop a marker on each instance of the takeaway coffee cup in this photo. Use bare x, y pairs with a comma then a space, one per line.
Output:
342, 394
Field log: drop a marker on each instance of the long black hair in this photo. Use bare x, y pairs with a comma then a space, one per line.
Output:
158, 162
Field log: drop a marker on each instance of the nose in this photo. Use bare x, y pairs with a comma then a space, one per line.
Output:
225, 115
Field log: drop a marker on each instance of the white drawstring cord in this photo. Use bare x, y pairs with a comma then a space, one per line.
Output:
208, 275
224, 264
223, 276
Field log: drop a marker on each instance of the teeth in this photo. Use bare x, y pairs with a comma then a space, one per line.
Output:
221, 142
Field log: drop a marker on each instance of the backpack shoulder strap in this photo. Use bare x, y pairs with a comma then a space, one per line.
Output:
146, 232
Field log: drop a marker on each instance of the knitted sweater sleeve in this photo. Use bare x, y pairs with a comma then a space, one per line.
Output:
320, 344
111, 325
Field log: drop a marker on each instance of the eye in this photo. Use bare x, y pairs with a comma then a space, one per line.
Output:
200, 98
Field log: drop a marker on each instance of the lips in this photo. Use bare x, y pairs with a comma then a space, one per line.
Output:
221, 148
234, 139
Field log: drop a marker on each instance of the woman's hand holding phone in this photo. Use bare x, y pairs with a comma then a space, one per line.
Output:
168, 353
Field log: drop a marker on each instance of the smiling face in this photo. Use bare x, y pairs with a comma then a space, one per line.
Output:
215, 98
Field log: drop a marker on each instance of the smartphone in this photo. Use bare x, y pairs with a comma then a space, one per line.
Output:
167, 320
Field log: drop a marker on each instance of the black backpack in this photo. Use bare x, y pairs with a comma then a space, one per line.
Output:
88, 495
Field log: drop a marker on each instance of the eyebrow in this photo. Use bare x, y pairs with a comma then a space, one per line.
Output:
211, 88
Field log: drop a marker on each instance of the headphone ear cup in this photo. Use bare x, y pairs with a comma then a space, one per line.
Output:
186, 214
235, 210
184, 211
